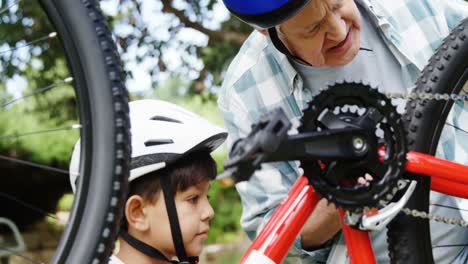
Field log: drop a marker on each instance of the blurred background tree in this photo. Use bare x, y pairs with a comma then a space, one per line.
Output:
175, 50
178, 50
191, 39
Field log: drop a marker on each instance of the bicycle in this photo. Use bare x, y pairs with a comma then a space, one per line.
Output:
333, 142
94, 73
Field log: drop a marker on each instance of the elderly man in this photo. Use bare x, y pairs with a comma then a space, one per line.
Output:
300, 46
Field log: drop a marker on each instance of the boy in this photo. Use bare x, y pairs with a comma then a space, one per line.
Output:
167, 211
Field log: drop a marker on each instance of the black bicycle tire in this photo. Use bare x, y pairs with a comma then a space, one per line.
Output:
105, 148
409, 237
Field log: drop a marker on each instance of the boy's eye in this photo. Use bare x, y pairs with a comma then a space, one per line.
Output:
193, 199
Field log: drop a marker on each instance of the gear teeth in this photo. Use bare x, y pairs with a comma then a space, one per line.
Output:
327, 99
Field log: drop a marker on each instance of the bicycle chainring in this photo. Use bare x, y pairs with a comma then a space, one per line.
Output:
357, 105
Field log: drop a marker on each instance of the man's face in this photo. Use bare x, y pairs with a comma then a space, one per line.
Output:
326, 33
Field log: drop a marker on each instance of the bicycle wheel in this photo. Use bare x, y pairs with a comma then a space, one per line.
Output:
446, 73
98, 101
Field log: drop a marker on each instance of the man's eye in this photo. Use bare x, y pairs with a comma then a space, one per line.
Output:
338, 4
313, 30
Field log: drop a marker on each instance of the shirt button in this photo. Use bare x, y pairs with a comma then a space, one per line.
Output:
297, 82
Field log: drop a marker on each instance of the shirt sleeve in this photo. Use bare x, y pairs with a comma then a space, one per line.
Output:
454, 11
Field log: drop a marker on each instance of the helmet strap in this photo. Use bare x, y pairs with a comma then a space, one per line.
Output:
168, 192
149, 250
279, 45
175, 231
142, 247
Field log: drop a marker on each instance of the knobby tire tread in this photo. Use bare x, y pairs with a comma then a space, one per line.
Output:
92, 54
409, 237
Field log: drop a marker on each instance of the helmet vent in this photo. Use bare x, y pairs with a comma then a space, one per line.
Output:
165, 119
157, 142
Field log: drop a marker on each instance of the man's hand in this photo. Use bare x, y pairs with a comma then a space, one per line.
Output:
321, 226
324, 222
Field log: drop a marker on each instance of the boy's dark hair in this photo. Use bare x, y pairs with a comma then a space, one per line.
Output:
188, 171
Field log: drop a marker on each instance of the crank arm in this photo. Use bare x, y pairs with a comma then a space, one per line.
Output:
333, 144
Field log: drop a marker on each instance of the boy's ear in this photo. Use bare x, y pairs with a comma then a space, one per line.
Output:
135, 213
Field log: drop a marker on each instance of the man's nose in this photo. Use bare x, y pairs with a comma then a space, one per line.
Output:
336, 28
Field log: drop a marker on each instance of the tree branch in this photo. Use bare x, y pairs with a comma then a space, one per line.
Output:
212, 34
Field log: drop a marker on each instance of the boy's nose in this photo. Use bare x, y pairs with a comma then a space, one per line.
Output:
208, 212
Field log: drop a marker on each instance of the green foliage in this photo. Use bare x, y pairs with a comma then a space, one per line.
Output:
65, 203
44, 148
225, 225
39, 65
216, 57
199, 35
175, 91
217, 54
42, 64
231, 258
22, 24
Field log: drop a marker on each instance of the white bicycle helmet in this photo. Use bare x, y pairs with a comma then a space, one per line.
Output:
162, 133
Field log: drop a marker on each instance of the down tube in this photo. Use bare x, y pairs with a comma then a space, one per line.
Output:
446, 176
278, 235
358, 244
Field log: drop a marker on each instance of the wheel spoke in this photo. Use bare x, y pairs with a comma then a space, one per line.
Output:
29, 206
456, 127
36, 165
450, 207
454, 245
47, 37
38, 91
12, 252
15, 136
6, 8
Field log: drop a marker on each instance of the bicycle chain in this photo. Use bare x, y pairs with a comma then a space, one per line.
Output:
428, 216
434, 217
428, 96
431, 96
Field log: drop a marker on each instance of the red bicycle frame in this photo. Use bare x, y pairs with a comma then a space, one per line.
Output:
278, 235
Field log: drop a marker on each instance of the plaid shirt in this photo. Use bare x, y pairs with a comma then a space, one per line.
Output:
261, 79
